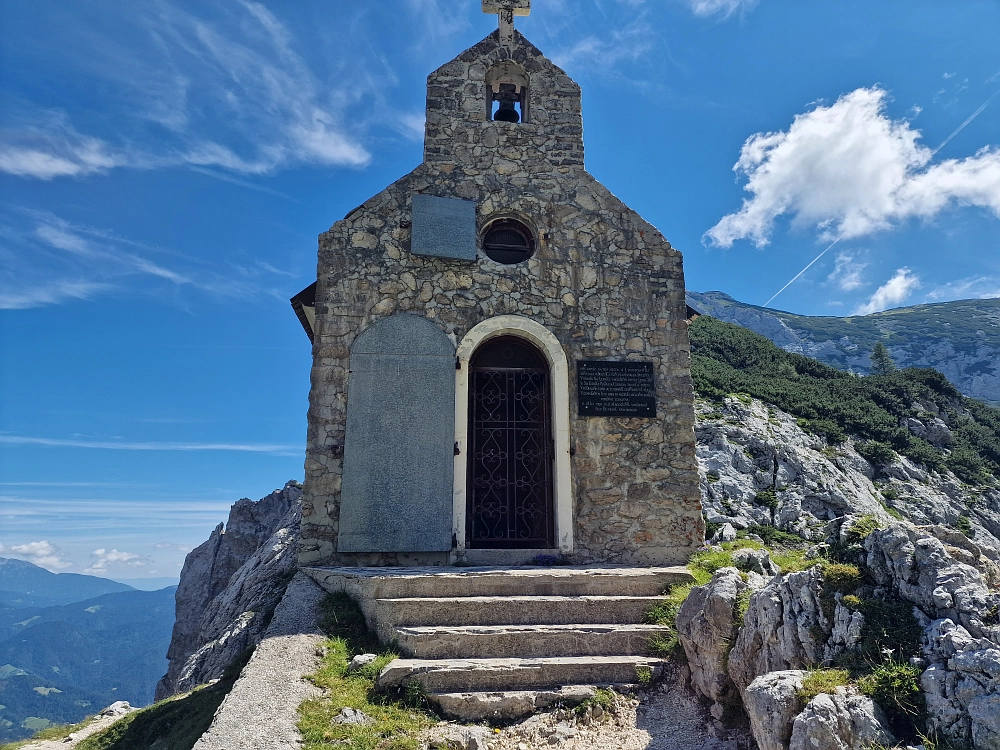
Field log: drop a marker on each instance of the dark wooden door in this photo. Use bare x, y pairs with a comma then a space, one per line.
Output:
510, 461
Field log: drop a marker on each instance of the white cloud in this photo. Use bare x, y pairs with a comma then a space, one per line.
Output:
257, 106
975, 287
627, 43
276, 449
44, 554
847, 272
45, 260
104, 558
848, 170
50, 147
724, 8
891, 293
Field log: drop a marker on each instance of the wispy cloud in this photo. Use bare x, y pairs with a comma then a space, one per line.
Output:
257, 105
45, 260
847, 272
104, 558
42, 553
974, 287
896, 290
722, 8
848, 170
629, 42
123, 445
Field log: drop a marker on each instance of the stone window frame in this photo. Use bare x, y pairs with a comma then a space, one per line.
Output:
562, 476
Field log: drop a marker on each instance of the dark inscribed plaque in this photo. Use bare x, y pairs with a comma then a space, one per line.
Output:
615, 389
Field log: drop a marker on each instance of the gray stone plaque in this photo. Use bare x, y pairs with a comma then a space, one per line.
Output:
615, 389
399, 447
443, 227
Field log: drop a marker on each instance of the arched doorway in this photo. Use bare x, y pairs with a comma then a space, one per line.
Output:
509, 496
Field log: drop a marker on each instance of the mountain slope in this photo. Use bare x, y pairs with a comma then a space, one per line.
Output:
65, 662
959, 339
25, 585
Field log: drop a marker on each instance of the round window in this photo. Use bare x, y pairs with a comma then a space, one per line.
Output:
508, 241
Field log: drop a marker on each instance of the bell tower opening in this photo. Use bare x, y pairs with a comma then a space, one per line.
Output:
507, 92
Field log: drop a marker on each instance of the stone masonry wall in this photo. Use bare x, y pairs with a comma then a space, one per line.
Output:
605, 282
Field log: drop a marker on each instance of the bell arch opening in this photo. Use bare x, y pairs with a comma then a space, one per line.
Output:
507, 93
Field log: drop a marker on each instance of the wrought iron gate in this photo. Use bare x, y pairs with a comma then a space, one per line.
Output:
510, 461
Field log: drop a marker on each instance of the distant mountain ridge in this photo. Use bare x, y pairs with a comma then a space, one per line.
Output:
23, 584
60, 664
959, 339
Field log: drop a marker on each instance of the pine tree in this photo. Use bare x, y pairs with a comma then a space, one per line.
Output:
882, 363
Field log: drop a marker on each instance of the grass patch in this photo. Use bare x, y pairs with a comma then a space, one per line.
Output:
773, 536
705, 563
173, 724
861, 528
895, 686
57, 732
742, 605
398, 718
604, 698
792, 560
644, 675
819, 681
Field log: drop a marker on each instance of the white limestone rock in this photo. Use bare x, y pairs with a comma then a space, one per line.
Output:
755, 561
706, 625
917, 566
781, 629
772, 703
745, 449
844, 720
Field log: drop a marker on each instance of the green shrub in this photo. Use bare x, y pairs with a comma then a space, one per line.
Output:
767, 498
728, 359
964, 525
841, 577
861, 528
773, 536
876, 453
895, 687
818, 681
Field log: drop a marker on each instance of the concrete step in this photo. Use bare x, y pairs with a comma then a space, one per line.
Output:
507, 705
399, 583
510, 641
510, 610
478, 675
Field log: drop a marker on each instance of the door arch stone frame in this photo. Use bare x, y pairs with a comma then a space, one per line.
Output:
562, 476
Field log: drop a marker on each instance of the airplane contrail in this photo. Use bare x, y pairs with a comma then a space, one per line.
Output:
795, 278
961, 127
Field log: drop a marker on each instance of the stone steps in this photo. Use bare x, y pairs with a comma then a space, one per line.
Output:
513, 610
508, 641
401, 583
501, 642
484, 675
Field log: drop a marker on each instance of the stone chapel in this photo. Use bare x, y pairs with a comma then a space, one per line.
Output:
501, 367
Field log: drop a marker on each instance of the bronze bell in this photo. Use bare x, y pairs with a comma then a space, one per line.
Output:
507, 96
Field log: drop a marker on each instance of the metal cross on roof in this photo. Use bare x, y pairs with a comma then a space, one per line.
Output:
506, 10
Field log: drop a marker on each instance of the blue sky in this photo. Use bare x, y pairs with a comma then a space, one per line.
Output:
165, 167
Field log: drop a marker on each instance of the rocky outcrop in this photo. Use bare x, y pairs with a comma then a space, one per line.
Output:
772, 702
758, 467
843, 720
916, 565
707, 624
785, 628
230, 586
